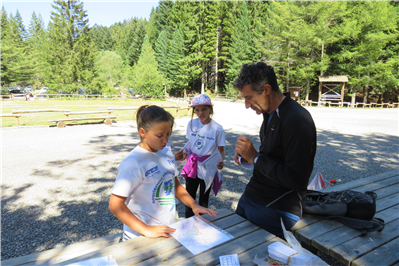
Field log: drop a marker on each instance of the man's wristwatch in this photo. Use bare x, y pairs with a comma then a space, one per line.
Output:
256, 159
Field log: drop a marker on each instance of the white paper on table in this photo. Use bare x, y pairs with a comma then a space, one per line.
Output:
245, 164
209, 168
101, 261
197, 234
229, 260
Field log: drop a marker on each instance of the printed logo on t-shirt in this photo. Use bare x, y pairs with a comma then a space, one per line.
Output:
151, 171
162, 192
171, 162
194, 134
199, 143
210, 138
201, 136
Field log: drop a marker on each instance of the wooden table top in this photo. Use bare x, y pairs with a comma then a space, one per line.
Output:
346, 244
249, 240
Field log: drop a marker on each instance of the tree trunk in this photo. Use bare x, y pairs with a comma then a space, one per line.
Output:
216, 61
307, 89
386, 96
365, 94
203, 79
353, 100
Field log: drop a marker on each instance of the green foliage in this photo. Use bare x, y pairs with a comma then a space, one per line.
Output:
70, 50
161, 52
201, 45
109, 68
241, 50
146, 78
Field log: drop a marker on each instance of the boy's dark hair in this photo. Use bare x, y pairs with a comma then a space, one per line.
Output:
149, 115
256, 74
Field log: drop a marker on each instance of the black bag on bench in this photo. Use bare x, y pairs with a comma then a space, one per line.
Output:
352, 208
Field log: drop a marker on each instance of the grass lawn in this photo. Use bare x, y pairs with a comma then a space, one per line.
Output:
75, 105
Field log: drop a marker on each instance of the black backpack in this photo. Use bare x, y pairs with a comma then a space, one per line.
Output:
352, 208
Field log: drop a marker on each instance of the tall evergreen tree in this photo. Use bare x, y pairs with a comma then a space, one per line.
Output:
36, 41
147, 80
70, 50
7, 54
177, 74
363, 55
242, 48
161, 52
136, 44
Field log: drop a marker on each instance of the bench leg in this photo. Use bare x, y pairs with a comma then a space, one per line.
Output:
108, 121
60, 124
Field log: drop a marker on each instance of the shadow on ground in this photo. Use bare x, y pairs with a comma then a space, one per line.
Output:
79, 220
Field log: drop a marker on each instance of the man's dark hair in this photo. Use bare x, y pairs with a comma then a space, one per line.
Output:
256, 74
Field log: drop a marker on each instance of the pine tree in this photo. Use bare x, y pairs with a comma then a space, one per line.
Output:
177, 75
6, 49
70, 50
363, 54
15, 56
161, 53
36, 41
147, 80
242, 48
136, 44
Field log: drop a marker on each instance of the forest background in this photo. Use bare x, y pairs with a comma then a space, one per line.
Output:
198, 46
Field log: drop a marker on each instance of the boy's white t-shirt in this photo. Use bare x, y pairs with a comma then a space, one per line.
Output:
147, 180
204, 139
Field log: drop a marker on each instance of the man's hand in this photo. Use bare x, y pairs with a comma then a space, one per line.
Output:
245, 149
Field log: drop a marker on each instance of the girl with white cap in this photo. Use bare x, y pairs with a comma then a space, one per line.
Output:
206, 137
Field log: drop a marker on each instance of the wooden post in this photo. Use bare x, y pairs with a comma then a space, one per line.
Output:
320, 86
342, 94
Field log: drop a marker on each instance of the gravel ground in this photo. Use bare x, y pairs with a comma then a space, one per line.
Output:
56, 182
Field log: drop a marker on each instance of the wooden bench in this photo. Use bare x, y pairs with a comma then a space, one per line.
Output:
61, 122
346, 244
39, 111
87, 112
12, 115
182, 108
178, 108
64, 253
330, 99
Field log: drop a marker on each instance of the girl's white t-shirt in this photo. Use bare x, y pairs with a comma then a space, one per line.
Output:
147, 180
204, 139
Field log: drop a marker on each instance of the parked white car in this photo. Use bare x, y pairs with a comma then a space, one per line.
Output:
43, 90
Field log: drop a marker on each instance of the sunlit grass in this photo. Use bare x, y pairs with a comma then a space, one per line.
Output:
74, 105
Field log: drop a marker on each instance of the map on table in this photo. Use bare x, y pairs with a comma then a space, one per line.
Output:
197, 234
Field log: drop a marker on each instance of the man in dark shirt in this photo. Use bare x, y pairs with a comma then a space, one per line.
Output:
284, 163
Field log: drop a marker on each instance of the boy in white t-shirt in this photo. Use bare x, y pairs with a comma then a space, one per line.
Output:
206, 137
143, 196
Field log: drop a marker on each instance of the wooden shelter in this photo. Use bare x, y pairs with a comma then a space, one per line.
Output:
331, 83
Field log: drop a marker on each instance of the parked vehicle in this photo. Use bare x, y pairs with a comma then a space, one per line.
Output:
16, 90
43, 90
28, 88
82, 91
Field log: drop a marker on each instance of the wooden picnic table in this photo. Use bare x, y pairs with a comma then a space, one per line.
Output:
346, 244
249, 240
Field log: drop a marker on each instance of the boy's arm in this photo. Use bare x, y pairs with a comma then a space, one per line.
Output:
186, 199
118, 207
